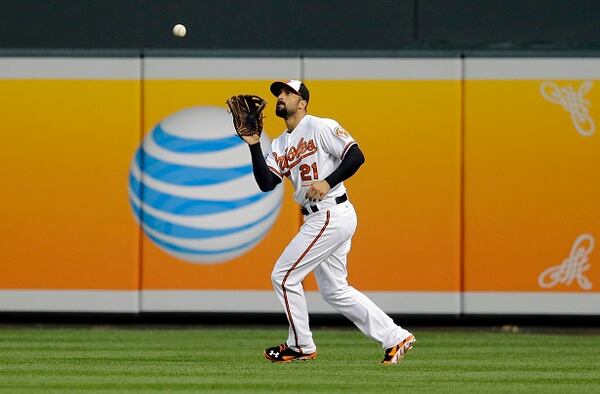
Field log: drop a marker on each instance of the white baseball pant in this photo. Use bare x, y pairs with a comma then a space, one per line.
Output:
322, 245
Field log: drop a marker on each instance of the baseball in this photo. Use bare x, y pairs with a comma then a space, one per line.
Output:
179, 30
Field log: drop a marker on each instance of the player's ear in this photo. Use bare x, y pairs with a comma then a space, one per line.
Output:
303, 104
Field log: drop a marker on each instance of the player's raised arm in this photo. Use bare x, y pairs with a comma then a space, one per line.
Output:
265, 179
246, 112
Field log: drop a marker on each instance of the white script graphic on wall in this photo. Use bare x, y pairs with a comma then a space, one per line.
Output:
573, 267
573, 102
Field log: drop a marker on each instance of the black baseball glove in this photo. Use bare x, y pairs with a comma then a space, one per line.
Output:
246, 111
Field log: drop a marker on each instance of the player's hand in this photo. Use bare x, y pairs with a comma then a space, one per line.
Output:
251, 139
317, 191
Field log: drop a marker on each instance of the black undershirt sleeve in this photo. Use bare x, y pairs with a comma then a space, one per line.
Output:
352, 161
265, 179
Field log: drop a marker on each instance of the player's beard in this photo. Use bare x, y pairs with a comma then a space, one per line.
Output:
281, 110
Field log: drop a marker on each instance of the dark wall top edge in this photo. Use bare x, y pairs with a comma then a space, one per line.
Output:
233, 53
455, 25
68, 52
409, 53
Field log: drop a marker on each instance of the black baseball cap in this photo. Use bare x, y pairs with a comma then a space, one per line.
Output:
297, 86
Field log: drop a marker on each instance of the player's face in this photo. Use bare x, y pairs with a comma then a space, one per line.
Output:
288, 103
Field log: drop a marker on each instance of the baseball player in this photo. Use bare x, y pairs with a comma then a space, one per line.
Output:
317, 155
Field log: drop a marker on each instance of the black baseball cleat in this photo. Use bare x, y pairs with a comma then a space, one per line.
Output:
283, 354
397, 352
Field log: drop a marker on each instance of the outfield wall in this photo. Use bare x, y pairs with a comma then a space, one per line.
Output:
480, 193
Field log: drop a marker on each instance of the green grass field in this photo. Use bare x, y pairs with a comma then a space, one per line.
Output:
215, 359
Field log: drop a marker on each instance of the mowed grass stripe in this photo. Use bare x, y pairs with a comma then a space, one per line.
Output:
229, 359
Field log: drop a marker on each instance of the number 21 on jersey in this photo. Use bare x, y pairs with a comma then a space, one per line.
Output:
305, 172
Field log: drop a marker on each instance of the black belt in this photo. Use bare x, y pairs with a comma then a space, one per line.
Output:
314, 208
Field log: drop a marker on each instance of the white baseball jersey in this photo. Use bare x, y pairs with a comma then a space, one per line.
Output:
312, 151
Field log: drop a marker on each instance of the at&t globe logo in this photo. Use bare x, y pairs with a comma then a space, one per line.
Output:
192, 188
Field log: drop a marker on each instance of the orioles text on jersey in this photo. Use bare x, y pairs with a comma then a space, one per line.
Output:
294, 155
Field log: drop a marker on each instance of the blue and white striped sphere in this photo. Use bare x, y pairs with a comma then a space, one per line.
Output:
192, 188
